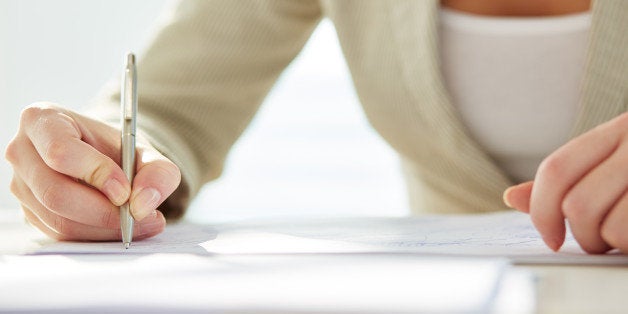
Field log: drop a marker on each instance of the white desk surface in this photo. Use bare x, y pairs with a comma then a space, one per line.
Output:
303, 283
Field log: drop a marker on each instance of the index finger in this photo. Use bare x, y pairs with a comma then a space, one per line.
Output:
58, 140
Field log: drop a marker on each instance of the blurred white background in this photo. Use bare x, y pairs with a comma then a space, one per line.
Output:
309, 152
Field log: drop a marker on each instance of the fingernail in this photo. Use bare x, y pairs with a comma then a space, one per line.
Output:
115, 191
144, 203
505, 197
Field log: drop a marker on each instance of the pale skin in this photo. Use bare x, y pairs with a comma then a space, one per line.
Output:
583, 182
69, 182
66, 165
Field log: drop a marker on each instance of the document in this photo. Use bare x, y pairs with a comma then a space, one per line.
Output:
509, 234
258, 267
320, 283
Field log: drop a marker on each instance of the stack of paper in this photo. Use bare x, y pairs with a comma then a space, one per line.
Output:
510, 235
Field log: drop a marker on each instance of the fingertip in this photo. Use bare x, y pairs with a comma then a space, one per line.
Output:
153, 183
553, 234
554, 242
518, 196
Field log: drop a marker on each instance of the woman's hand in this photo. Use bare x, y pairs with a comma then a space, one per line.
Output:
585, 182
69, 182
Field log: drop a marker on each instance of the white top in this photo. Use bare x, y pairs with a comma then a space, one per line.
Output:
515, 82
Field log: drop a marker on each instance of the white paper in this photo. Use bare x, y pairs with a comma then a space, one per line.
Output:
508, 235
185, 283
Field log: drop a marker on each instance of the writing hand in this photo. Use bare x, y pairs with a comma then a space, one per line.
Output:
68, 179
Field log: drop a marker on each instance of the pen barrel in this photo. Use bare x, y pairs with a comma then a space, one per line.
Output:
128, 101
128, 166
128, 152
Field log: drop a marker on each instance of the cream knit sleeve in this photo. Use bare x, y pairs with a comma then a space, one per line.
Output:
203, 77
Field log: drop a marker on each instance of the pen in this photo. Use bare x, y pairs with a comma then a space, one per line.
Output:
128, 101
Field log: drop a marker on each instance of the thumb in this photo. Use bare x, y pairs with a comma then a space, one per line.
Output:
518, 196
156, 178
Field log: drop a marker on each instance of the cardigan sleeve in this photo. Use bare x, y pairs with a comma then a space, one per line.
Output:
204, 75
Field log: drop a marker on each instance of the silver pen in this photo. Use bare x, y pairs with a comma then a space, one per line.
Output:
128, 100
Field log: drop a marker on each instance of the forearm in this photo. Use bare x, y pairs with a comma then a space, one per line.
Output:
203, 77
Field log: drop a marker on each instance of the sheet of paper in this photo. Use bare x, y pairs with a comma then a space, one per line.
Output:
508, 235
188, 283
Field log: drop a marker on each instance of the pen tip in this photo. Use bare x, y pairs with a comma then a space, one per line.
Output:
126, 245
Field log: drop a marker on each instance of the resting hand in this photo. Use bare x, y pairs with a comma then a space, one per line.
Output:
585, 182
68, 179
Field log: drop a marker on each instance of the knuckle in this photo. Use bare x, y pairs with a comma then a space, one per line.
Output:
109, 220
16, 187
552, 167
47, 111
56, 153
30, 114
39, 115
574, 206
53, 198
98, 174
43, 119
11, 154
59, 225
